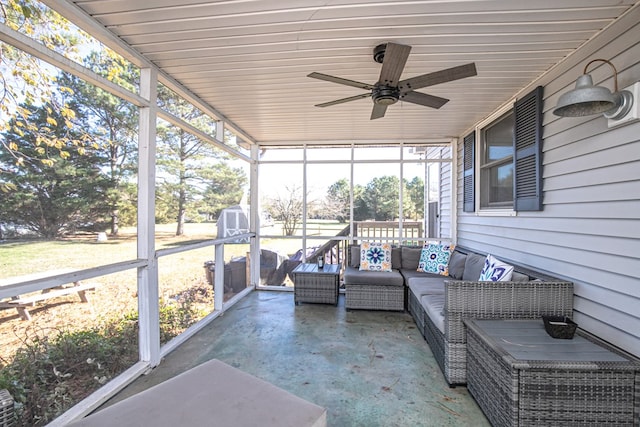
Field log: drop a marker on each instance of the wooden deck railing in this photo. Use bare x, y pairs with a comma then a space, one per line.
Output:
389, 231
336, 251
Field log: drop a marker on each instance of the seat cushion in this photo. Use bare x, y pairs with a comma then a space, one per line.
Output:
423, 286
434, 307
408, 274
354, 276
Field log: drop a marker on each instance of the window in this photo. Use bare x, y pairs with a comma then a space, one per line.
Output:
509, 162
496, 164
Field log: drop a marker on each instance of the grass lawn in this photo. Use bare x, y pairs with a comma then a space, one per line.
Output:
83, 251
117, 293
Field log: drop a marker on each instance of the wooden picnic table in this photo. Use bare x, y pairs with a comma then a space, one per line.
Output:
21, 302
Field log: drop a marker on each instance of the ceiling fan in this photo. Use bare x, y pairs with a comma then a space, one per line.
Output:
390, 89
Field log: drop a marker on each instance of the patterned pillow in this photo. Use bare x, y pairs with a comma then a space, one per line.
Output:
375, 256
495, 270
435, 259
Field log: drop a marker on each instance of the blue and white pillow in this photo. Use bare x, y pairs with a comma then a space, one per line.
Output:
375, 256
434, 258
495, 270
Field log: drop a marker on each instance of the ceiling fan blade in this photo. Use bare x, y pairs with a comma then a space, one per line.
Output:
343, 100
340, 80
424, 99
395, 58
378, 111
450, 74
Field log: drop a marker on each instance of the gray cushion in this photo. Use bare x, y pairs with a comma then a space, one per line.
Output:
519, 277
456, 265
473, 267
415, 273
411, 257
354, 259
354, 276
434, 307
396, 258
426, 285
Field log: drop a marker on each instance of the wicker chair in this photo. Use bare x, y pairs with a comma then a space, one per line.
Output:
367, 290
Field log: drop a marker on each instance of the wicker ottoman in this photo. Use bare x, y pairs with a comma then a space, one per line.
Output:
520, 376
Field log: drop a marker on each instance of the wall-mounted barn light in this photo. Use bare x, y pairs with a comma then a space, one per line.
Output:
587, 99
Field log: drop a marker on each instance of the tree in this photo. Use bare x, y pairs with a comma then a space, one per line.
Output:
112, 124
337, 202
225, 188
287, 207
415, 190
58, 190
382, 197
184, 161
24, 81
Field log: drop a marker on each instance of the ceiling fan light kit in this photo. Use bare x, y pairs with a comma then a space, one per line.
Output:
389, 89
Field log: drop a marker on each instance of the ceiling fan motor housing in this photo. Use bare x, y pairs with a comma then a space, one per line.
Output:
378, 52
385, 95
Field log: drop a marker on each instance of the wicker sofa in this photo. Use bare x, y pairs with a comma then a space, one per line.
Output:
439, 304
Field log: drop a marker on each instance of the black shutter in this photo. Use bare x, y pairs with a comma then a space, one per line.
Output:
527, 144
468, 161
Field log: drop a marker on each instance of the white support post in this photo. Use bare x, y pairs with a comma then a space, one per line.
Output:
220, 131
352, 228
148, 310
304, 203
218, 279
254, 211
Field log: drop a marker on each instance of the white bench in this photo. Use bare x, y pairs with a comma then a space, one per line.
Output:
211, 394
21, 303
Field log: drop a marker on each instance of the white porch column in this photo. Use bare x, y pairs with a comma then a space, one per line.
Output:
148, 310
254, 220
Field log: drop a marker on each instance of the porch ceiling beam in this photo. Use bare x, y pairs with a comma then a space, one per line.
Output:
348, 142
40, 51
84, 21
176, 121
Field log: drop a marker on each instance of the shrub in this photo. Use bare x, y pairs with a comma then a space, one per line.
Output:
55, 369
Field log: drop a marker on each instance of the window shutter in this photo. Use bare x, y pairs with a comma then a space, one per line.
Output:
468, 177
527, 141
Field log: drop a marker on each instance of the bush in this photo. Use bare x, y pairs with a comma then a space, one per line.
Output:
55, 369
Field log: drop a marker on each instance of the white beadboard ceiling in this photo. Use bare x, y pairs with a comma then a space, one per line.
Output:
249, 59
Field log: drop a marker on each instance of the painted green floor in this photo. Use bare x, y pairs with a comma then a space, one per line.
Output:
368, 368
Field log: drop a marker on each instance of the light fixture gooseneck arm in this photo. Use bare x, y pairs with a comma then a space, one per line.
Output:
615, 71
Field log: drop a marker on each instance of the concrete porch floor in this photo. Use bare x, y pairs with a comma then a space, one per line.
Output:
368, 368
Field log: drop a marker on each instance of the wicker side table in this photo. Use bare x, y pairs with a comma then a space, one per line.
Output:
316, 285
520, 376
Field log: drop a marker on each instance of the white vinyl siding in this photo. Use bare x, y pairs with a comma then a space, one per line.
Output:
589, 229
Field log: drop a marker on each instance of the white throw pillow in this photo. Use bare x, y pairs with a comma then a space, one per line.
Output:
434, 258
375, 256
495, 270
